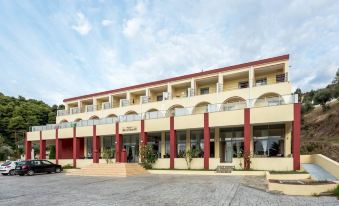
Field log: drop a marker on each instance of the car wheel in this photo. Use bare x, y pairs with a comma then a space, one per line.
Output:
30, 172
57, 170
11, 172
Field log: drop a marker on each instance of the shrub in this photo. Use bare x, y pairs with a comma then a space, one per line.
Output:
336, 191
321, 97
51, 152
148, 156
107, 154
68, 166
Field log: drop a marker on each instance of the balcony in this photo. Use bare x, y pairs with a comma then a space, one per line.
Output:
266, 101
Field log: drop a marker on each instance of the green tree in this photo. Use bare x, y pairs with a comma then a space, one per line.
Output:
322, 97
148, 156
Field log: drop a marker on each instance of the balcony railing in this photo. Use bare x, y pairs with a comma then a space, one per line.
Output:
250, 103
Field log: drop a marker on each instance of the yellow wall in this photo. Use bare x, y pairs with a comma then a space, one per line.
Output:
189, 122
154, 125
31, 136
125, 126
48, 134
281, 113
65, 133
229, 118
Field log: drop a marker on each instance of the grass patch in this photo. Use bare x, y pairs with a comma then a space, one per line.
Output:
336, 191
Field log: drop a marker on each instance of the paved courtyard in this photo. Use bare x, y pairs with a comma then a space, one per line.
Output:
59, 189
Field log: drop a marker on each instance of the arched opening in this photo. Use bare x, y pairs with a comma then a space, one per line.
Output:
171, 110
112, 116
269, 99
131, 112
63, 121
201, 107
233, 103
94, 117
77, 120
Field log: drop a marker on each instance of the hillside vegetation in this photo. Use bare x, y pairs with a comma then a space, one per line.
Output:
16, 116
320, 120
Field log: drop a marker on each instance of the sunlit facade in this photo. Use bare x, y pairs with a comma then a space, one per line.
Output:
221, 114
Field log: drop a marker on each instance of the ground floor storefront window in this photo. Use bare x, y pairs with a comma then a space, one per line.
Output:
89, 143
197, 142
231, 143
154, 139
109, 144
181, 143
131, 145
167, 145
269, 140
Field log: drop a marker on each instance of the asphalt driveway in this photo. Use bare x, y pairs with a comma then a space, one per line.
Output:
59, 189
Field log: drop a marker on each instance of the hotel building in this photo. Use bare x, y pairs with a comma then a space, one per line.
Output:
223, 114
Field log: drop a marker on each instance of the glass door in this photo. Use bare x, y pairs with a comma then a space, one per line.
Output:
131, 144
229, 151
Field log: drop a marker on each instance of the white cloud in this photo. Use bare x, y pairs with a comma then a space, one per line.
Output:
82, 26
106, 22
132, 26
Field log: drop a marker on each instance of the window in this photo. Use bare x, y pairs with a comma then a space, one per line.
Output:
205, 90
269, 140
262, 81
243, 84
109, 143
212, 142
45, 162
281, 78
159, 98
154, 139
167, 145
197, 141
89, 147
37, 162
231, 143
181, 143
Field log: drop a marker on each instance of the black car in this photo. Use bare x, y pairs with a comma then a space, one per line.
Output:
30, 167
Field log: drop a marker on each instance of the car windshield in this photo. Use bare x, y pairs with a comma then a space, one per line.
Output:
6, 163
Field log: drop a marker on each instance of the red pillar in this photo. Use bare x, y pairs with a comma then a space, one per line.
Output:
28, 148
96, 144
206, 141
42, 147
247, 137
143, 133
57, 146
75, 148
118, 143
296, 136
173, 148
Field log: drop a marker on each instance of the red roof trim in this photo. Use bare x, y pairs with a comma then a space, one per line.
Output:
238, 66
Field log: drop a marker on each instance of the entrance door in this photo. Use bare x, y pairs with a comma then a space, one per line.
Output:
131, 144
229, 151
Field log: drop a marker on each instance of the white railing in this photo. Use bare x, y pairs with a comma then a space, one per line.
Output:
144, 99
89, 108
106, 105
124, 102
74, 110
259, 102
62, 112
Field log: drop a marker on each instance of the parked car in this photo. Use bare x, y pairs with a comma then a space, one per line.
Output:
30, 167
8, 168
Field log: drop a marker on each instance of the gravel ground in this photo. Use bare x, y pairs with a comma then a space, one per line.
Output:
59, 189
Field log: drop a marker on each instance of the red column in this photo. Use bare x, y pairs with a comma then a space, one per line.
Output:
173, 148
206, 141
143, 133
57, 146
28, 148
296, 136
247, 137
75, 148
42, 147
96, 144
118, 143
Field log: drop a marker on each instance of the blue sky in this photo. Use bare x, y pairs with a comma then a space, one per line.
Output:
51, 50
